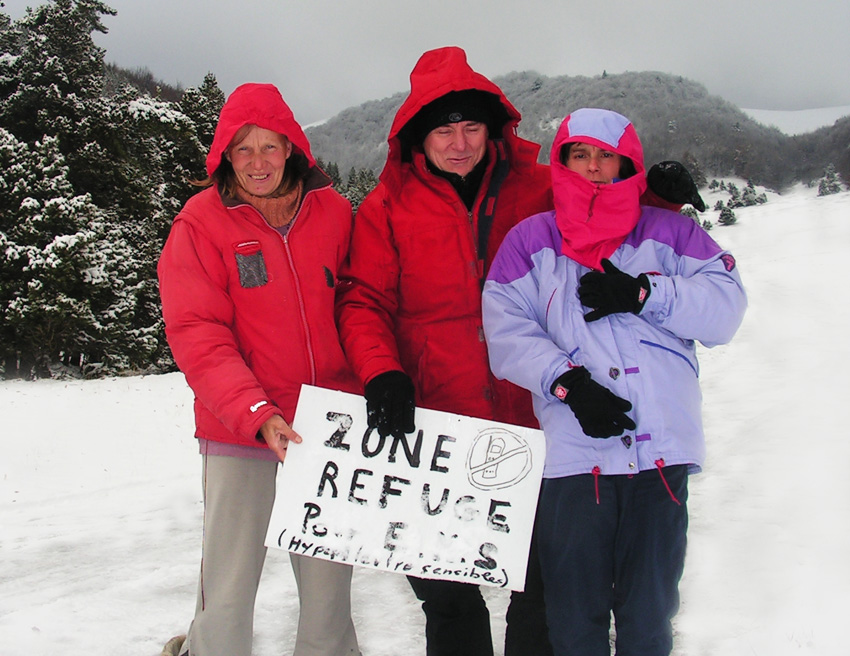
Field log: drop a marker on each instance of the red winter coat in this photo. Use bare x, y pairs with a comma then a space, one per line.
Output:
410, 293
249, 313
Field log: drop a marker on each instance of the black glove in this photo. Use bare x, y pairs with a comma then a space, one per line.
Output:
612, 291
390, 403
599, 411
672, 182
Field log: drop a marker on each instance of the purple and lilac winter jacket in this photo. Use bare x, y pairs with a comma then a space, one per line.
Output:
535, 330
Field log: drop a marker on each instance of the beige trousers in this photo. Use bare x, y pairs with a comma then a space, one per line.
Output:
238, 498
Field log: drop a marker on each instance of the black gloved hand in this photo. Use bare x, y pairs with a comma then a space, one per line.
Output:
599, 411
612, 291
390, 403
672, 182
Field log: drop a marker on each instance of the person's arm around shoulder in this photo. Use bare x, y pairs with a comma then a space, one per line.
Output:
701, 296
519, 348
367, 295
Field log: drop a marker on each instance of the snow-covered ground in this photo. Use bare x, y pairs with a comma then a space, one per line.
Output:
800, 121
100, 506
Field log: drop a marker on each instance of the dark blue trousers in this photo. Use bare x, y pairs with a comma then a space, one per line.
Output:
624, 554
457, 622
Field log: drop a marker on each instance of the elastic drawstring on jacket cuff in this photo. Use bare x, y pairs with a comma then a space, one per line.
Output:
596, 471
660, 464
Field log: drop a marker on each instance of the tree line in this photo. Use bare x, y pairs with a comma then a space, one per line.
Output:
94, 165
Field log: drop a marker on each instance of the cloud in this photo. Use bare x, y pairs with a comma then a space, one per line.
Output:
328, 55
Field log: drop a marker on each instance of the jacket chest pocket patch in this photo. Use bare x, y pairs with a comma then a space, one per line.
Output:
251, 265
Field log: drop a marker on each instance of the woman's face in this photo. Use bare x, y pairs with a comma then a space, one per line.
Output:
258, 157
594, 163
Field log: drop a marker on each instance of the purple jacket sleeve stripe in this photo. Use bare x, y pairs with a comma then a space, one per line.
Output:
528, 237
677, 231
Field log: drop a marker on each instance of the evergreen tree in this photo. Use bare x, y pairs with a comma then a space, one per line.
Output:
727, 217
88, 191
360, 183
51, 66
751, 197
829, 183
203, 105
734, 195
332, 171
49, 288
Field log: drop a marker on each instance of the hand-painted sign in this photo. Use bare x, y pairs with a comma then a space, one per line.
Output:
453, 500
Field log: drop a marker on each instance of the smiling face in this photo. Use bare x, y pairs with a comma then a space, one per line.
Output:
456, 147
594, 163
258, 157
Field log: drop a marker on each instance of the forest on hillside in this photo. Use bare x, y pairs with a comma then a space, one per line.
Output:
676, 119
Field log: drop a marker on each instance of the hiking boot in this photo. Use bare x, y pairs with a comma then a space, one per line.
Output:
173, 646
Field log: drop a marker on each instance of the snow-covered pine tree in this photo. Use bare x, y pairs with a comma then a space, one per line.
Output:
734, 195
829, 183
49, 289
750, 196
203, 105
360, 183
727, 217
126, 160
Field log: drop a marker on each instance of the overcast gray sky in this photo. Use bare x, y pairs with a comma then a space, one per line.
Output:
328, 55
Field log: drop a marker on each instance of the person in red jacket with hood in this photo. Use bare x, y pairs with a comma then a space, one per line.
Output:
247, 279
457, 178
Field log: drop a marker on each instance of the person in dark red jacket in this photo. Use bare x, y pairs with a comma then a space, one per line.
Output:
457, 178
247, 279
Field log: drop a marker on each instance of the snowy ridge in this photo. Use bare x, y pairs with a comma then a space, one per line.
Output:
801, 121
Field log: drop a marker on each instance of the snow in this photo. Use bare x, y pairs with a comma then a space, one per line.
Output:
101, 509
800, 121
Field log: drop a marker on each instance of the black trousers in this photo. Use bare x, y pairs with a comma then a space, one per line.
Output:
457, 622
616, 545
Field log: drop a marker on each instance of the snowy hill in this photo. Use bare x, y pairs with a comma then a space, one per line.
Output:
101, 508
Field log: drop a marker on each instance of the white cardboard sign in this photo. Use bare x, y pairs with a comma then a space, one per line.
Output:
455, 500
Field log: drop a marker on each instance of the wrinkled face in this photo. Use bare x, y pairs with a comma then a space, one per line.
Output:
594, 163
258, 157
456, 147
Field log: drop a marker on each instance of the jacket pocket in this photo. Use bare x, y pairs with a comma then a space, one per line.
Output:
688, 357
251, 265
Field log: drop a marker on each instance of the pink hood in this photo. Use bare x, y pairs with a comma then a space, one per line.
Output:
594, 219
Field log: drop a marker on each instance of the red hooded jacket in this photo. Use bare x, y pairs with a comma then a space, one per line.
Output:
249, 312
410, 296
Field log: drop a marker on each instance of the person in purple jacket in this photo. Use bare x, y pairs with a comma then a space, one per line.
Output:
595, 308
